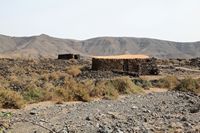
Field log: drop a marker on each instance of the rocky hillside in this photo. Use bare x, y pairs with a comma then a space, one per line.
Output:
49, 47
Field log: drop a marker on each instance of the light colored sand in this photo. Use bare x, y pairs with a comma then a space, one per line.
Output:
125, 56
155, 90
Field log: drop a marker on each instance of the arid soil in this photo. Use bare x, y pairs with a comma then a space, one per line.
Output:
158, 111
153, 112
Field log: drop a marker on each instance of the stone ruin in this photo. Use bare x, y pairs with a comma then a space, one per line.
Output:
69, 56
146, 66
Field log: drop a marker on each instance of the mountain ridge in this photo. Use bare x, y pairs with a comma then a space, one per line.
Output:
45, 46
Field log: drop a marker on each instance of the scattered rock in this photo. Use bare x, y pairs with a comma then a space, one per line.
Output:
33, 112
137, 113
183, 119
134, 107
195, 109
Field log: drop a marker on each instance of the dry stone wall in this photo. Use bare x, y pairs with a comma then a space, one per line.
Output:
140, 66
68, 56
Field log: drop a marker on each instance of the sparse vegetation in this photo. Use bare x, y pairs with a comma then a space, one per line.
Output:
125, 86
74, 70
74, 91
32, 94
146, 84
110, 89
61, 87
29, 81
10, 99
168, 82
104, 89
189, 84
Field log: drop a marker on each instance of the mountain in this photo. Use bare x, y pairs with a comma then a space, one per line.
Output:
44, 46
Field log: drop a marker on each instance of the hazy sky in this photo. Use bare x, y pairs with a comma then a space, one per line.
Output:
176, 20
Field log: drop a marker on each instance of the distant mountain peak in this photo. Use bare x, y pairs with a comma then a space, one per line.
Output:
43, 35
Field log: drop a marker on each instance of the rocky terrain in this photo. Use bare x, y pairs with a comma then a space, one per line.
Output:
34, 81
150, 113
44, 46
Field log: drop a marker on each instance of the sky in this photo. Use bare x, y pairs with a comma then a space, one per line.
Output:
175, 20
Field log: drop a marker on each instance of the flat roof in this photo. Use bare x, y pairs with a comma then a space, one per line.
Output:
125, 56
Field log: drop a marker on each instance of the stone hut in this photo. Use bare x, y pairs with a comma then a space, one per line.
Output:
68, 56
140, 64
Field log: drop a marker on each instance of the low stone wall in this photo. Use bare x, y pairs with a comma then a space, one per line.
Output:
140, 66
68, 56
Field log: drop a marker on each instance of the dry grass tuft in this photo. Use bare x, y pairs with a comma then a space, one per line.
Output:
189, 84
168, 82
104, 89
74, 70
10, 99
111, 89
73, 91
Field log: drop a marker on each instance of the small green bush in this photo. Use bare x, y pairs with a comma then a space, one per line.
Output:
32, 94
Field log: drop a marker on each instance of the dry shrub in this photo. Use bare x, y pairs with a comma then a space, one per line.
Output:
112, 88
146, 84
104, 89
3, 82
57, 78
125, 85
63, 95
189, 84
73, 91
44, 78
10, 99
169, 82
74, 70
55, 75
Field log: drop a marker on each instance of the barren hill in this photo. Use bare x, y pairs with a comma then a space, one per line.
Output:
49, 47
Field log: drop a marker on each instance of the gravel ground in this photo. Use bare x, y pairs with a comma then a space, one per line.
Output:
153, 112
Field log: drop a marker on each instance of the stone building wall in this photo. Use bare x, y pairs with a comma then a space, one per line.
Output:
140, 66
107, 64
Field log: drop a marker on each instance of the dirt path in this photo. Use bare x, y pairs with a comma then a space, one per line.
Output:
187, 69
155, 90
